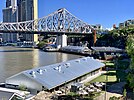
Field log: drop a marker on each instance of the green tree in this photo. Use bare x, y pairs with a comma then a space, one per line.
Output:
116, 37
130, 51
42, 43
130, 45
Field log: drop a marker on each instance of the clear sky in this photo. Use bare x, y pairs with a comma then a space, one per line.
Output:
104, 12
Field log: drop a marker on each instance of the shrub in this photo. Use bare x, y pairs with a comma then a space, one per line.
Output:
22, 87
114, 98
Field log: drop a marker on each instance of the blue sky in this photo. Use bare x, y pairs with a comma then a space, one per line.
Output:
104, 12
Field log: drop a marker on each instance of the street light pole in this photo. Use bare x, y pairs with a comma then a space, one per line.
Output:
106, 83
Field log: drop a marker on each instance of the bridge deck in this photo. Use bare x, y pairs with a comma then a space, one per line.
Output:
45, 32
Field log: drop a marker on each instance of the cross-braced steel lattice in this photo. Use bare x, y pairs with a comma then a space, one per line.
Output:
61, 21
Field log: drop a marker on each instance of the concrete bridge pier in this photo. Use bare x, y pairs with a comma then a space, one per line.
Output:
61, 40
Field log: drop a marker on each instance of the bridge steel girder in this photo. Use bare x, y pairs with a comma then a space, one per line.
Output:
61, 22
45, 32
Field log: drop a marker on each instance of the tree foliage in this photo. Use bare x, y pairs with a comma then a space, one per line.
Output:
116, 37
130, 45
22, 87
130, 51
42, 43
114, 98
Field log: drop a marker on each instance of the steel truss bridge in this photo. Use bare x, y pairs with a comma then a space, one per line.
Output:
61, 21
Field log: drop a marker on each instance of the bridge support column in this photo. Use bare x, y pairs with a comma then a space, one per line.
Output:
61, 41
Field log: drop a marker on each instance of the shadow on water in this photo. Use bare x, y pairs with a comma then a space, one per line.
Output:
16, 51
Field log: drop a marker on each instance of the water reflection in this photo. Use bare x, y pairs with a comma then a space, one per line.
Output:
14, 60
15, 50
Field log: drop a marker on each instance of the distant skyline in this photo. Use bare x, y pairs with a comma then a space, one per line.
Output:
104, 12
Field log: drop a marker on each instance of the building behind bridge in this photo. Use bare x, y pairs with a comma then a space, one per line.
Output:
10, 15
28, 10
18, 11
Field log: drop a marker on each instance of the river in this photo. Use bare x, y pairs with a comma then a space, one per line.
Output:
14, 60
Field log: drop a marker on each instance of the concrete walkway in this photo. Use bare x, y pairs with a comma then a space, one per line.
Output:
107, 95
